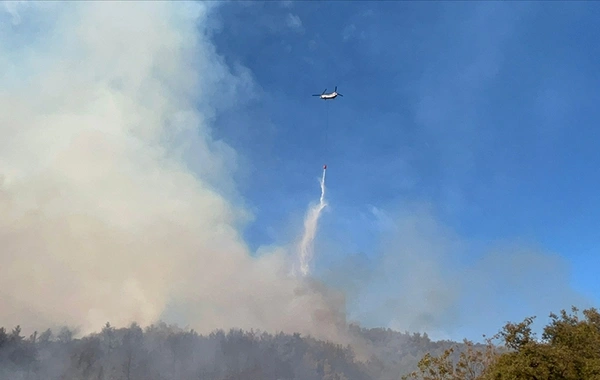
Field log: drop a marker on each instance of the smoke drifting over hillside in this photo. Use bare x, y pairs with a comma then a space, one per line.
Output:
101, 217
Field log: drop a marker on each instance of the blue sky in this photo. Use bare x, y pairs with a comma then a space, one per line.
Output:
486, 112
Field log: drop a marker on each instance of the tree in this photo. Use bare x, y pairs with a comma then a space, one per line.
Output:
65, 335
472, 363
568, 350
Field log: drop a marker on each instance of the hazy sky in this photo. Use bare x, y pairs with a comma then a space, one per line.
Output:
173, 150
484, 111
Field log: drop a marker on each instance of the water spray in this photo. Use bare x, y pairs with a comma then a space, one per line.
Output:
310, 229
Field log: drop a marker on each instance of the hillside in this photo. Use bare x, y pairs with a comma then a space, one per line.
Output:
567, 349
162, 352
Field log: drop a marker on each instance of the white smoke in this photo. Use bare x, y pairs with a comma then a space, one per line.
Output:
101, 217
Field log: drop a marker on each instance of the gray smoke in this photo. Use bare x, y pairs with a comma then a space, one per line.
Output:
428, 278
103, 113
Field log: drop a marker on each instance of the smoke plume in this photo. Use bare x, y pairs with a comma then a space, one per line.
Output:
429, 278
102, 116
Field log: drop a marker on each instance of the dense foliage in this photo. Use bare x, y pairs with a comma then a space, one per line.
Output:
568, 349
166, 352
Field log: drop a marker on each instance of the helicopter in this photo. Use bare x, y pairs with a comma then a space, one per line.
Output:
329, 96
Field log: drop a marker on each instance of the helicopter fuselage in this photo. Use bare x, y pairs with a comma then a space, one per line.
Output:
333, 95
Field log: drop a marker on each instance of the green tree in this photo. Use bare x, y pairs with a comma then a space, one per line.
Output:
471, 364
568, 350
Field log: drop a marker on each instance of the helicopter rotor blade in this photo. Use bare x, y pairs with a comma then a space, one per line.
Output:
323, 91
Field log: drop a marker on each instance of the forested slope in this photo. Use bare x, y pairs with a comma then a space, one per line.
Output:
567, 349
167, 352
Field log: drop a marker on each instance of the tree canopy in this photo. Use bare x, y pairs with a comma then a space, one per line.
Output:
569, 349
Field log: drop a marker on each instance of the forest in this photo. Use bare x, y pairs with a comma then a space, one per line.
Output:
568, 349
